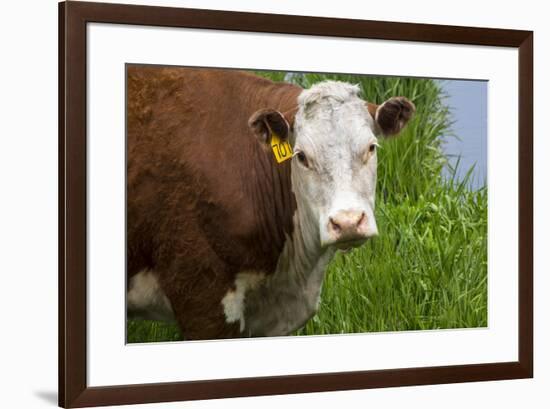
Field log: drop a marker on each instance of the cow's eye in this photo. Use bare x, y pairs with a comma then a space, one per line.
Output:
370, 151
302, 158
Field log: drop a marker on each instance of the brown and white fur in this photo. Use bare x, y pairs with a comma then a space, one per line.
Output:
221, 237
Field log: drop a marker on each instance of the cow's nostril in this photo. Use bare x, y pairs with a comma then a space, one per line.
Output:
361, 219
335, 226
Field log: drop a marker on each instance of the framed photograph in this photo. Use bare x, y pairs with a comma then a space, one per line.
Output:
255, 204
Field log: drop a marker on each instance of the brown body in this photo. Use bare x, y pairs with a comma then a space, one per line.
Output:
205, 199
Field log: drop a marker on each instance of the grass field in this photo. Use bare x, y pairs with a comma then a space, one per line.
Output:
427, 269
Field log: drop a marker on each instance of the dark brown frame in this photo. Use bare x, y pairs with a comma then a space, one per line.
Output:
73, 388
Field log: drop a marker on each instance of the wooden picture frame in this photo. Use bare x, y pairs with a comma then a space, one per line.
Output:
73, 19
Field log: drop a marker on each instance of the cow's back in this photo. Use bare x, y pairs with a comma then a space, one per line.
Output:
202, 192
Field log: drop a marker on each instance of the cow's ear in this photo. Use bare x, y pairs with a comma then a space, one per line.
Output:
391, 116
266, 122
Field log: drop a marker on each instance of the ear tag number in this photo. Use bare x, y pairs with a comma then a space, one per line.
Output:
281, 149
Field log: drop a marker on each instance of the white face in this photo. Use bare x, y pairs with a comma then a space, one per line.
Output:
334, 164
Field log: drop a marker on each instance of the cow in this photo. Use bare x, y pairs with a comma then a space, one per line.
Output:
222, 237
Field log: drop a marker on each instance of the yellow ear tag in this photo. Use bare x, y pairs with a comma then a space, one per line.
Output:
281, 149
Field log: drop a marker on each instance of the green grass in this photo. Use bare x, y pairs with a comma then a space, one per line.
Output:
151, 331
427, 269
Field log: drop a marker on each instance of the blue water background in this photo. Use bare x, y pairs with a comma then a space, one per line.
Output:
467, 137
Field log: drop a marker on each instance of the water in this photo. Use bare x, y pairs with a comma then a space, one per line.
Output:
467, 100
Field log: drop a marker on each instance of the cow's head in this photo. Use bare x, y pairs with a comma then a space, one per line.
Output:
334, 138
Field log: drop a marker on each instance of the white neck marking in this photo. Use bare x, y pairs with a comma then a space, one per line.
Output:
289, 297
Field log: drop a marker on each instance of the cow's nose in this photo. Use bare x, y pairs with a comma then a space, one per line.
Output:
348, 225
